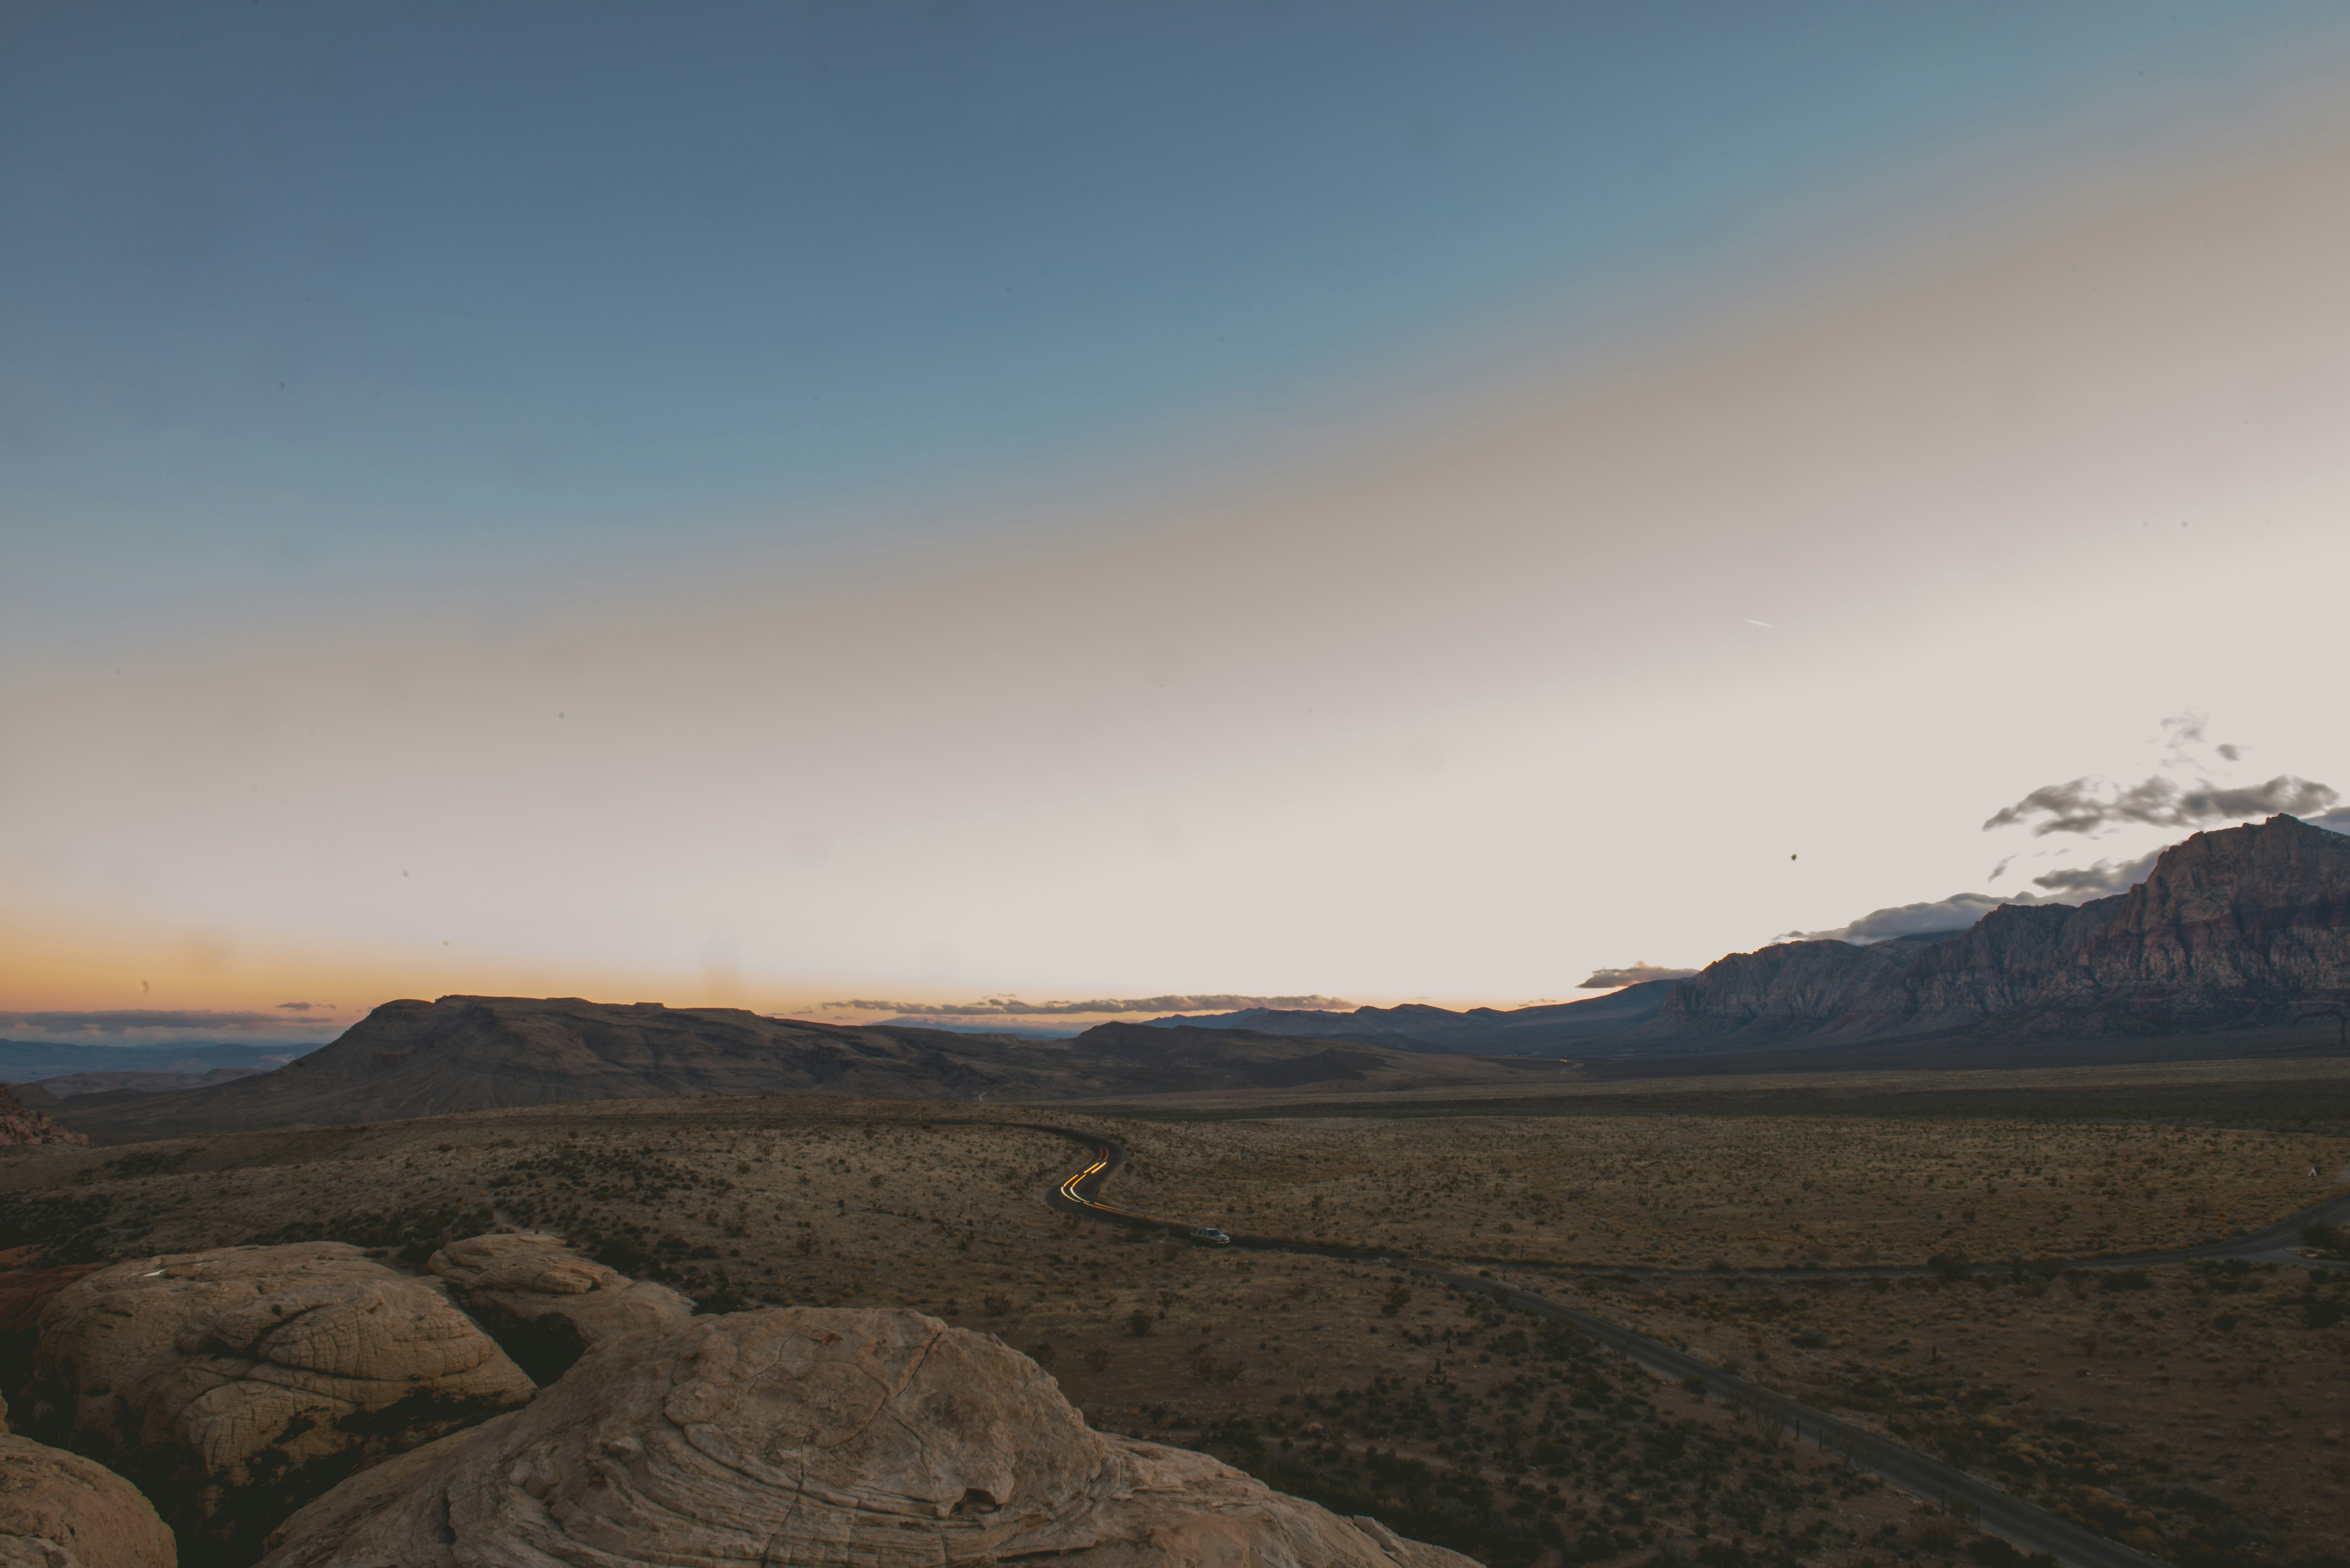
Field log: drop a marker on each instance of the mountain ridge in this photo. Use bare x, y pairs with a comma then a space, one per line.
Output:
415, 1058
2233, 928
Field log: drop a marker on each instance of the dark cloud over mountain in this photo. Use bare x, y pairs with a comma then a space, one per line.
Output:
2098, 880
1637, 973
2087, 805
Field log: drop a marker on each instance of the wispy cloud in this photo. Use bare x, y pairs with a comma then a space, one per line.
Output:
2089, 804
134, 1019
1632, 974
1012, 1007
1955, 913
2086, 805
2099, 881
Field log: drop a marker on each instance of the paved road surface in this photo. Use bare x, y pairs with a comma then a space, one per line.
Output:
2032, 1528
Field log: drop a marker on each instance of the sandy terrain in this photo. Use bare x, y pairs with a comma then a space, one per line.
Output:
1368, 1389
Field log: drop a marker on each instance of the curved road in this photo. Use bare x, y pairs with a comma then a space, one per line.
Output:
2027, 1526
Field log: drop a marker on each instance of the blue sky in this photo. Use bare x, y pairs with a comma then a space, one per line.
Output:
298, 295
770, 503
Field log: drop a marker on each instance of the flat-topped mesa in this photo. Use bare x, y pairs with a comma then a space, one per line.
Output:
2235, 928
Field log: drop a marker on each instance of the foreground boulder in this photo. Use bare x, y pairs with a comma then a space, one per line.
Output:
236, 1385
26, 1293
544, 1303
803, 1435
61, 1510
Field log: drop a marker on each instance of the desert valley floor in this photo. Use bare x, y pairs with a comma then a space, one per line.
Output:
2196, 1411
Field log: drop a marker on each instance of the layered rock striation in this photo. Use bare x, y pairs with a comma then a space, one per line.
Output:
798, 1435
546, 1304
2238, 927
61, 1510
234, 1385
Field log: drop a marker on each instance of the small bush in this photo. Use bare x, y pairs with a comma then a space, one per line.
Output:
1138, 1321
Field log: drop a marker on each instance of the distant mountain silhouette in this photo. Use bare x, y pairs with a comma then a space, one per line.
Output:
1542, 1031
482, 1052
2236, 928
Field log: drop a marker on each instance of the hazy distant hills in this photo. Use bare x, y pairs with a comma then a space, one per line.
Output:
2238, 928
1481, 1031
479, 1053
23, 1059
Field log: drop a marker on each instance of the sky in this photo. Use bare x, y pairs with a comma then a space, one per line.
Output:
780, 506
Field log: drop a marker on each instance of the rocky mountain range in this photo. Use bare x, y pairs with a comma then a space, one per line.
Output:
2240, 928
2235, 929
483, 1053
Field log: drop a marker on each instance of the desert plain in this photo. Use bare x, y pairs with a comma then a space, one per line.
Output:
2193, 1410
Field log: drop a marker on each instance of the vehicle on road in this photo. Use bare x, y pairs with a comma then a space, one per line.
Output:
1208, 1236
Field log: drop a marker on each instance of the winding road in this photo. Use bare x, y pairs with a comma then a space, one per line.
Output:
2032, 1528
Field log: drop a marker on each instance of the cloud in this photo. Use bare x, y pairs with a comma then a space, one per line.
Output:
2333, 821
1607, 979
129, 1020
2099, 880
302, 1006
1012, 1007
2086, 805
1955, 913
2076, 885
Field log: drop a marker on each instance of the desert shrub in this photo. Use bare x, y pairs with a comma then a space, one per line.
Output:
1138, 1321
2119, 1280
1396, 1300
1098, 1358
995, 1307
1948, 1266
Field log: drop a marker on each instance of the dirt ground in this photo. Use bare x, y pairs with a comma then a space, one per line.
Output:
2197, 1412
1685, 1192
1446, 1416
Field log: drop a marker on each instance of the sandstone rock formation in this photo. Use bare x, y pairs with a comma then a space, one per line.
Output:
546, 1304
2236, 927
25, 1293
236, 1385
24, 1124
801, 1434
61, 1510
